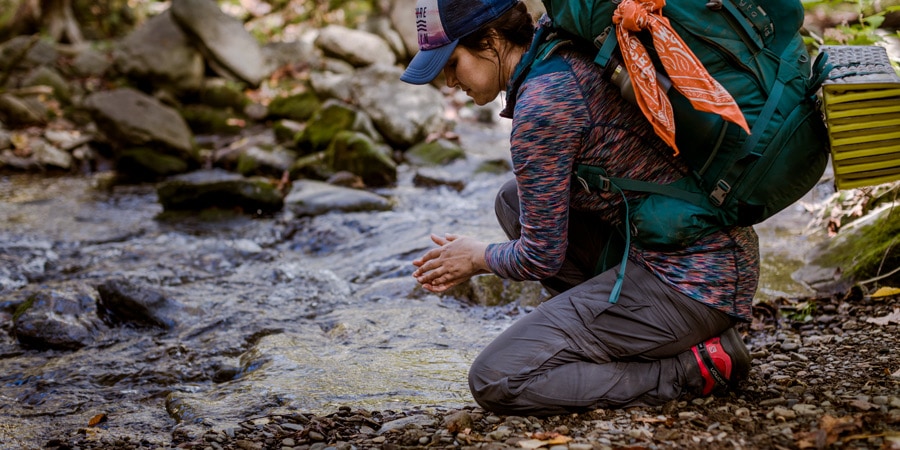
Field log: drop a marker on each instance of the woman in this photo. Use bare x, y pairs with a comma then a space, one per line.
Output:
671, 331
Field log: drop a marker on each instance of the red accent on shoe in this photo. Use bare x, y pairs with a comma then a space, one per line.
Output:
709, 382
720, 358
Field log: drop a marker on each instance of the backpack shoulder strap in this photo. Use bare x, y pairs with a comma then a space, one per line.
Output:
541, 58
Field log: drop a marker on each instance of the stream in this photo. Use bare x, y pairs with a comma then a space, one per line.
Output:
277, 315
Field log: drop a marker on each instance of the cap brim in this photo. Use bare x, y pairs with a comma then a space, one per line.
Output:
427, 64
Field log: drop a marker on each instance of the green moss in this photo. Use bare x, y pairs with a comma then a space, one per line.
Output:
23, 307
357, 153
299, 107
146, 163
867, 249
434, 153
224, 95
204, 119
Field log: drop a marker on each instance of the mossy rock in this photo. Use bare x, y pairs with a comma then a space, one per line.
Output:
312, 166
299, 107
491, 290
287, 131
203, 119
220, 189
332, 118
145, 163
435, 153
865, 249
494, 166
357, 153
227, 94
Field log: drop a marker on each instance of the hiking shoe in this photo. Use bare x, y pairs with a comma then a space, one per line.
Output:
724, 361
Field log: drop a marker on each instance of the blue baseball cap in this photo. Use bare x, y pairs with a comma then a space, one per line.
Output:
440, 25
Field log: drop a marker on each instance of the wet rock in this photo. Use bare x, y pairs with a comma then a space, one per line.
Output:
357, 153
160, 53
357, 47
491, 290
60, 317
403, 113
435, 153
127, 302
256, 160
229, 46
147, 164
217, 188
131, 118
430, 177
311, 198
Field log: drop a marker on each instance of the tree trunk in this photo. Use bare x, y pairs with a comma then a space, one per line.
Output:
55, 17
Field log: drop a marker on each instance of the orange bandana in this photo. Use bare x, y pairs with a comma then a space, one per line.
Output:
684, 69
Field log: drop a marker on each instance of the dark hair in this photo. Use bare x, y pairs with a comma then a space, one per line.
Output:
515, 26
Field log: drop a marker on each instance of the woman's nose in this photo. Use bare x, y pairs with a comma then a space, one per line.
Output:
450, 79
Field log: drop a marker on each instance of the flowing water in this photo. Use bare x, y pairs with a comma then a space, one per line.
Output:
277, 315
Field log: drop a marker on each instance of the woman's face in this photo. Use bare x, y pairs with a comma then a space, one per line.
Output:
475, 72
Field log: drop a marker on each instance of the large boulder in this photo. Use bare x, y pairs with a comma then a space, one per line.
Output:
403, 113
131, 118
229, 47
312, 198
357, 47
160, 53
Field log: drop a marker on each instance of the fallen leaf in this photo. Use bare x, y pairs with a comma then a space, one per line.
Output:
892, 317
886, 291
97, 420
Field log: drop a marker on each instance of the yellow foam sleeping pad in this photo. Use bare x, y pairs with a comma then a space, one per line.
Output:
861, 99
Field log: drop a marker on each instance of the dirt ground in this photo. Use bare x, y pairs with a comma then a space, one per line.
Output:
825, 374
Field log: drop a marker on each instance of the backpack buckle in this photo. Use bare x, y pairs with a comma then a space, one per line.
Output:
717, 196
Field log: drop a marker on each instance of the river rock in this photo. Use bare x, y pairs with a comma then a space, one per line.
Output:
159, 52
228, 45
403, 113
358, 154
294, 53
127, 302
312, 198
439, 152
860, 251
299, 107
217, 188
48, 76
62, 317
402, 14
357, 47
257, 160
334, 116
90, 62
132, 118
16, 111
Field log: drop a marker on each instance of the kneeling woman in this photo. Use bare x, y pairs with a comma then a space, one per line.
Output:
671, 332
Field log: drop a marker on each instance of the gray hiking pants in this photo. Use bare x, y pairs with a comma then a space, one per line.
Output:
577, 352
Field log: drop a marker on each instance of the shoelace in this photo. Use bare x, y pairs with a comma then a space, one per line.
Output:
687, 73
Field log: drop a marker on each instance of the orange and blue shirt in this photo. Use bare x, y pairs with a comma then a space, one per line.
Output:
570, 115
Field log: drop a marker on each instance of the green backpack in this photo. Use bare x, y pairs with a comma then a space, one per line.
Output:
754, 49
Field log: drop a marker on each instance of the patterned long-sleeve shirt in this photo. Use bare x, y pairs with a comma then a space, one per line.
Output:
570, 115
